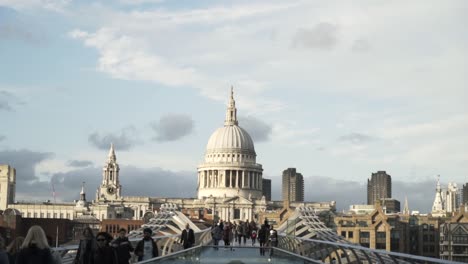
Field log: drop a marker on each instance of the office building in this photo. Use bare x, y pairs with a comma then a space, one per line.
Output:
266, 184
293, 186
379, 186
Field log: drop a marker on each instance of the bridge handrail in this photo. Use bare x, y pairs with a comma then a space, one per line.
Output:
68, 252
375, 251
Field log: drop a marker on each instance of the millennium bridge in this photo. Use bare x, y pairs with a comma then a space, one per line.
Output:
312, 242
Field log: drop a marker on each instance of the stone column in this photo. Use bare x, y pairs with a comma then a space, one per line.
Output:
210, 178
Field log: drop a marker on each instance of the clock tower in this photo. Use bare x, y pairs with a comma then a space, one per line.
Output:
110, 187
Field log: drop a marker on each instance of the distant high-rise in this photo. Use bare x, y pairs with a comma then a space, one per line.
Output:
7, 186
379, 186
293, 186
452, 201
266, 188
465, 194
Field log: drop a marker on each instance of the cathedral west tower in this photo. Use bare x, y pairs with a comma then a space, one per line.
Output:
110, 188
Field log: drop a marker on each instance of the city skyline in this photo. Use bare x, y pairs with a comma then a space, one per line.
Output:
336, 90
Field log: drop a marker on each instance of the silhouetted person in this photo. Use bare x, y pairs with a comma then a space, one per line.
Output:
262, 239
86, 248
123, 247
188, 237
104, 254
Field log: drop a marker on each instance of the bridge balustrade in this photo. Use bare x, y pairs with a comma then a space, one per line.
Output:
344, 253
166, 244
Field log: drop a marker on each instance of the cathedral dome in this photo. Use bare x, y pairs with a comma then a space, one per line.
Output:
230, 168
231, 137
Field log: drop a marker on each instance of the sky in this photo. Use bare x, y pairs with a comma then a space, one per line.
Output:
338, 90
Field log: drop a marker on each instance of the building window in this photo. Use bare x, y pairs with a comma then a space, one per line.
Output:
68, 216
42, 215
343, 233
381, 240
350, 234
364, 239
236, 213
48, 215
61, 215
55, 215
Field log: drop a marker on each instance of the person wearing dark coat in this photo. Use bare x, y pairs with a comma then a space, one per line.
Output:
147, 247
262, 238
188, 237
123, 247
35, 249
86, 248
104, 254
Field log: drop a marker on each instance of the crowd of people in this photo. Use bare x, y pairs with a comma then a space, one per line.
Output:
103, 248
32, 249
99, 249
238, 233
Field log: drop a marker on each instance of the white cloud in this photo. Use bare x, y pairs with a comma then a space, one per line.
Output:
441, 127
394, 80
53, 5
292, 134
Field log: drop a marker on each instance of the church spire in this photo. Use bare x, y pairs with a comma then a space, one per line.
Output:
82, 193
438, 207
406, 208
231, 112
112, 156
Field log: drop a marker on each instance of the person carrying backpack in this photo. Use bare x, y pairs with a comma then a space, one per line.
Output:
253, 236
